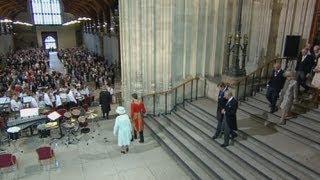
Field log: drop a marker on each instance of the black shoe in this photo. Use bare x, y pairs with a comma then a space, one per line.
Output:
234, 135
273, 110
224, 145
214, 137
135, 135
141, 137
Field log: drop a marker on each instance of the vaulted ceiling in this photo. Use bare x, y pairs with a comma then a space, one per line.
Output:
88, 8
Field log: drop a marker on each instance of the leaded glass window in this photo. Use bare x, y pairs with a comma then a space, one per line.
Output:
46, 12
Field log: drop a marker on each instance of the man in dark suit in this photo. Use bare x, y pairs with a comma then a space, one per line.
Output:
274, 86
304, 66
105, 101
221, 105
230, 118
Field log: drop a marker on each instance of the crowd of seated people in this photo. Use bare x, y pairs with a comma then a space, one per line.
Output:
26, 82
85, 67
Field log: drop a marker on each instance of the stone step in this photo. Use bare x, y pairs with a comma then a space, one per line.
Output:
236, 168
267, 161
195, 154
317, 110
309, 113
312, 115
287, 151
194, 143
263, 106
261, 118
182, 157
257, 109
242, 163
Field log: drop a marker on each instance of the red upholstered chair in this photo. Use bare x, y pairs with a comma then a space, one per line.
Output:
7, 161
45, 153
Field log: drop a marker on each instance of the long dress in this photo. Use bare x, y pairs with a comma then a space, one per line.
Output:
123, 129
316, 78
289, 94
137, 111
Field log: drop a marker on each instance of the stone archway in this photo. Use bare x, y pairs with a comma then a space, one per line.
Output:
50, 43
49, 40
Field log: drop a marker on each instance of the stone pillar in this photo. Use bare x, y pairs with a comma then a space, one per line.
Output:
162, 44
145, 46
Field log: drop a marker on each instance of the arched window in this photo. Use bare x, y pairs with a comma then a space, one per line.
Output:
50, 43
46, 12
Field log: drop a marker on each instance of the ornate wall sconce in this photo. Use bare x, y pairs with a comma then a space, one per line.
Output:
236, 67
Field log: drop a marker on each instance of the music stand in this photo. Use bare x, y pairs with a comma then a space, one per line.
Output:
29, 112
55, 116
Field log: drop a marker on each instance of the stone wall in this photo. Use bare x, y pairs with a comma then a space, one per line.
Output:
109, 49
92, 43
165, 42
268, 22
25, 37
66, 35
6, 43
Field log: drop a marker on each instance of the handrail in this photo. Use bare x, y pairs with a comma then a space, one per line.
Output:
257, 70
172, 89
254, 79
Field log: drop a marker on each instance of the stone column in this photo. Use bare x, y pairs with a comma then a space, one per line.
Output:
163, 43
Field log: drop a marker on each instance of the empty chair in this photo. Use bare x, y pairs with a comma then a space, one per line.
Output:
45, 154
8, 161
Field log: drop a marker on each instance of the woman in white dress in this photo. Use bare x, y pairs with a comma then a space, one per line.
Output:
123, 129
288, 95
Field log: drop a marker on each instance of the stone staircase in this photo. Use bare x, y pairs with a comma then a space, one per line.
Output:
303, 128
260, 152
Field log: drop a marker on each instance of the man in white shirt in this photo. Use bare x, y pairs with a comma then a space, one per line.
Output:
72, 99
58, 100
303, 67
15, 104
33, 103
47, 99
85, 91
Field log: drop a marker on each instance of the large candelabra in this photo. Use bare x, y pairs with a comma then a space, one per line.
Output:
237, 67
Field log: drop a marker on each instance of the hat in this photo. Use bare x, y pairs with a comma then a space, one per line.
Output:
120, 110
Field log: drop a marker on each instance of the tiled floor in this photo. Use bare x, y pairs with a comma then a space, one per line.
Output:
99, 160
